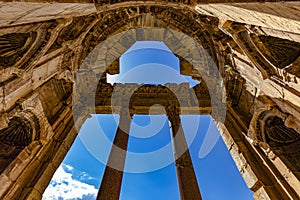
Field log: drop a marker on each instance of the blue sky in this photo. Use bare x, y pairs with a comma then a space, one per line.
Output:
81, 172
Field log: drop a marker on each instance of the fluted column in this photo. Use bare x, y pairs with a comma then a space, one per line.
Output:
187, 182
110, 187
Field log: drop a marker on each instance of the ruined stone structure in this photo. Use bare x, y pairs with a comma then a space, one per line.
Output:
255, 47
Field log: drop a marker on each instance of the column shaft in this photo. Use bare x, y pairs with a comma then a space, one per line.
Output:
110, 187
187, 181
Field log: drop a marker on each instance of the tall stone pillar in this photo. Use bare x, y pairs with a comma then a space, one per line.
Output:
110, 187
187, 182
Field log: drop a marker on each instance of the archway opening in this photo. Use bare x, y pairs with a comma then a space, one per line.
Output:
162, 180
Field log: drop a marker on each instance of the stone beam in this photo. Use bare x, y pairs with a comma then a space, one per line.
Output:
110, 99
283, 16
120, 1
249, 12
16, 13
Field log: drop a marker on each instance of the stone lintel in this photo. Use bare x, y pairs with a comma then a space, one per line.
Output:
140, 99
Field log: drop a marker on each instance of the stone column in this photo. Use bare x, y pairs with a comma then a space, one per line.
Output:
110, 187
187, 182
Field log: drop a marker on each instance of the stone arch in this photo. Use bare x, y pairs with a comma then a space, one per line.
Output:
204, 29
98, 62
111, 57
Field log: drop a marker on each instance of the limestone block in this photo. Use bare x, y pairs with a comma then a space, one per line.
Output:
128, 39
112, 41
3, 120
5, 183
261, 194
227, 139
281, 34
287, 174
34, 194
1, 95
248, 16
15, 168
118, 49
67, 143
33, 147
60, 153
42, 184
69, 116
14, 192
25, 12
238, 158
47, 151
249, 177
267, 86
289, 10
23, 155
173, 43
29, 172
44, 72
110, 58
63, 119
16, 90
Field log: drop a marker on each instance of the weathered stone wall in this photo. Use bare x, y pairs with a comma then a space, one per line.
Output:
43, 51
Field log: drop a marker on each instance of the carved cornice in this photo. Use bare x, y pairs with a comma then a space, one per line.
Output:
145, 96
173, 113
182, 19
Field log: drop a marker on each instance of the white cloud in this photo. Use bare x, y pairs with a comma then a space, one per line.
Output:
68, 167
64, 186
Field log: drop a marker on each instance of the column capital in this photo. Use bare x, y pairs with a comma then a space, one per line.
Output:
125, 112
173, 112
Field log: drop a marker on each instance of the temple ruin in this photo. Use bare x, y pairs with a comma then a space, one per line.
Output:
55, 56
